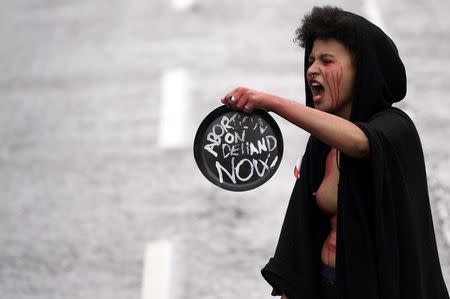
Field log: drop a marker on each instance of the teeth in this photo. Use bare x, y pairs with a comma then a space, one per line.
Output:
315, 84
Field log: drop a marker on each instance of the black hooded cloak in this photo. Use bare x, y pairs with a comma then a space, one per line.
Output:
386, 247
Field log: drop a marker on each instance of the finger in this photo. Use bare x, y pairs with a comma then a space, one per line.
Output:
226, 98
226, 102
243, 100
248, 109
229, 94
236, 98
246, 105
230, 101
240, 91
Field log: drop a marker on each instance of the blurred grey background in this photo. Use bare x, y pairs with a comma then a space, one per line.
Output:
100, 196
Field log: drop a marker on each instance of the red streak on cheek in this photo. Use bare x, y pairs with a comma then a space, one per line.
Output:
333, 76
327, 82
338, 81
335, 89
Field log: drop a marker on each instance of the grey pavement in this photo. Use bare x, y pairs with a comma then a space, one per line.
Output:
85, 185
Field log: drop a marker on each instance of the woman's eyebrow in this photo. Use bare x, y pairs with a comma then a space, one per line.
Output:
321, 56
326, 55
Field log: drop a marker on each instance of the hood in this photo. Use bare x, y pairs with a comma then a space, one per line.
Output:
380, 77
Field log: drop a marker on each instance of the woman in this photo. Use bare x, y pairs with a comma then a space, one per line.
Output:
358, 224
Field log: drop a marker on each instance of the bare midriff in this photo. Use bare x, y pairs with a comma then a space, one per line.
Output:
326, 198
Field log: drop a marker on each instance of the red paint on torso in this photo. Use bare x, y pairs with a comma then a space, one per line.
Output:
326, 195
326, 198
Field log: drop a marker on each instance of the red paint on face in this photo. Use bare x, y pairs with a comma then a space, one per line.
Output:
333, 77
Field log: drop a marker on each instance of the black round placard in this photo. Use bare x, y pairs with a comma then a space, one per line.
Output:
238, 151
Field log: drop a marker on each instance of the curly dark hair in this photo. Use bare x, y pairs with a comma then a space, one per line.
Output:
324, 23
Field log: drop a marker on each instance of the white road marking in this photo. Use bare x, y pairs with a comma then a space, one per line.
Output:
182, 5
157, 265
175, 105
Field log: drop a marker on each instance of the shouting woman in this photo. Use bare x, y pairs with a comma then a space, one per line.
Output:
358, 224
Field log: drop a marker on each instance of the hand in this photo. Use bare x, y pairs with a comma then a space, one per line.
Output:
283, 296
247, 100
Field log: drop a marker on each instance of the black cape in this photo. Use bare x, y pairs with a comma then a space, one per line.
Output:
386, 247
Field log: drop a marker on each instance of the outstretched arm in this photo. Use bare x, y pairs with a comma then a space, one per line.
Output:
330, 129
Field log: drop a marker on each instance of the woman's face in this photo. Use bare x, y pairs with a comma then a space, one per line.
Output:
330, 77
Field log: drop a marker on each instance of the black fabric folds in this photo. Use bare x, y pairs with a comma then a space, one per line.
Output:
386, 247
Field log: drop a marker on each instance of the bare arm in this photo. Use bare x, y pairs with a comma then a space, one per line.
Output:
330, 129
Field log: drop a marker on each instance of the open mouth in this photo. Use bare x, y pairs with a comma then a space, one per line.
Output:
316, 89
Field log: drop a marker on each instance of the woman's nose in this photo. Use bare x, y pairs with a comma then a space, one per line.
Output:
312, 70
311, 73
